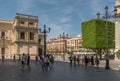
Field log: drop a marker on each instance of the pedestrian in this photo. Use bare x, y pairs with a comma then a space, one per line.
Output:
46, 63
71, 59
82, 59
42, 62
3, 57
63, 57
19, 57
23, 61
97, 61
92, 61
86, 61
89, 61
78, 60
14, 58
74, 60
51, 61
36, 58
28, 62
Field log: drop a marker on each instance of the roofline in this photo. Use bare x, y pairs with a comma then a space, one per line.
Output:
6, 21
19, 14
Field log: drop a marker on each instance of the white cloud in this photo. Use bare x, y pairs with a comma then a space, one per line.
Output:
63, 19
59, 27
68, 10
44, 19
99, 5
56, 30
95, 5
25, 5
49, 1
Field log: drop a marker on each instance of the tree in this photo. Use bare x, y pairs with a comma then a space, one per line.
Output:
118, 54
94, 34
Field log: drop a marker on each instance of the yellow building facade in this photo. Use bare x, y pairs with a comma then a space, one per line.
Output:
19, 36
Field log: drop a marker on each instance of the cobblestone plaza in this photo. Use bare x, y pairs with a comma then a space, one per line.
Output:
11, 71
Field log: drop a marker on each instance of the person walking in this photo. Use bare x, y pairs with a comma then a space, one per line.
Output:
92, 61
28, 62
46, 63
3, 58
51, 61
14, 58
71, 59
86, 61
36, 59
74, 60
42, 64
23, 61
82, 59
97, 62
19, 57
78, 60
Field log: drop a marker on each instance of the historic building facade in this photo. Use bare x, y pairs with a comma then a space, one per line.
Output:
64, 44
58, 45
117, 26
19, 35
74, 44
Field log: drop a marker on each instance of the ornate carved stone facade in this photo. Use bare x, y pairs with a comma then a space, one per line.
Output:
19, 36
117, 26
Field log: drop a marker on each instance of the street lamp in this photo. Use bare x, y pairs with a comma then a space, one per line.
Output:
63, 42
107, 66
45, 31
39, 42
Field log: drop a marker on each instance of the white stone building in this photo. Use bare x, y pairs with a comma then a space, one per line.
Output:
19, 36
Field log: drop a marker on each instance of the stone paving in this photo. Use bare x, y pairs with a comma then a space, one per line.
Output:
11, 71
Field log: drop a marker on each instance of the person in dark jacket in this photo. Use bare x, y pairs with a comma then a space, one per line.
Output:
86, 61
71, 59
97, 62
28, 62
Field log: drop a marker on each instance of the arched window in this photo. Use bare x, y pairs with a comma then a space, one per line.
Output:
31, 36
22, 35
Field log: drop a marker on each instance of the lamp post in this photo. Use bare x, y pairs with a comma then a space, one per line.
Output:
45, 31
39, 42
107, 66
63, 42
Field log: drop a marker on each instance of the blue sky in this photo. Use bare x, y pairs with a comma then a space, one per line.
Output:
61, 15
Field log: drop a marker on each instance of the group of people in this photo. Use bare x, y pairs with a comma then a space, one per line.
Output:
25, 61
87, 60
46, 61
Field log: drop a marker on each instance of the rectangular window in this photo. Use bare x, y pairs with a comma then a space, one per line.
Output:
22, 22
31, 23
31, 36
39, 41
